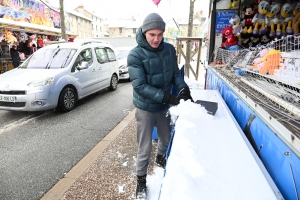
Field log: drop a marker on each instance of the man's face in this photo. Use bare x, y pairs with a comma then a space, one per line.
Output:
154, 37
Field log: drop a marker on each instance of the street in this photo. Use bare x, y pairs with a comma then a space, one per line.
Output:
37, 149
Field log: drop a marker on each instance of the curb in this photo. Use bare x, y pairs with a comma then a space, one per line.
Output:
60, 188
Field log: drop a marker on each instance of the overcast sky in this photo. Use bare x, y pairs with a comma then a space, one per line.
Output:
137, 8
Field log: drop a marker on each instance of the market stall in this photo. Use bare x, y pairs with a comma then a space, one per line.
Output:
28, 25
254, 64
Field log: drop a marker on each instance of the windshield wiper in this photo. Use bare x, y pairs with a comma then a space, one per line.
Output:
50, 61
66, 60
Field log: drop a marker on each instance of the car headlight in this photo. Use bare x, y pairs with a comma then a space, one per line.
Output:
123, 67
41, 82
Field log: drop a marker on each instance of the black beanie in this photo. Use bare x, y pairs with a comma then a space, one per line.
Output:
153, 21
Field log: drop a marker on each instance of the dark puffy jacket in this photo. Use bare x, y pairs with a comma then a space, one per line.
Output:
153, 71
14, 55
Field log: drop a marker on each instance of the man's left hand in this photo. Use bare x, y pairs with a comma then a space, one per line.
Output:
185, 94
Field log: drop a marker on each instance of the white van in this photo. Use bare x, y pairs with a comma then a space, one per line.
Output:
58, 75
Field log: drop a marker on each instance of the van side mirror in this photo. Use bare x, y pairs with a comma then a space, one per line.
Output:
84, 65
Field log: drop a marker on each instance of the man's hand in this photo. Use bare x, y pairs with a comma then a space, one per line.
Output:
185, 94
170, 99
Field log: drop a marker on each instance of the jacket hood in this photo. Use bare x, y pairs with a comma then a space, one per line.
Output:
142, 42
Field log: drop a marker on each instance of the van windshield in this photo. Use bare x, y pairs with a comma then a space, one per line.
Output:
49, 59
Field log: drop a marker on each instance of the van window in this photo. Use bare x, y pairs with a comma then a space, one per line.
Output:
49, 59
111, 54
101, 55
84, 56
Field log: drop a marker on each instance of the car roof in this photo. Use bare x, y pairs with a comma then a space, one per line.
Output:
77, 44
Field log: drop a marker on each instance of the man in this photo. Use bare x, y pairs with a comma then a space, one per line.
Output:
15, 56
153, 70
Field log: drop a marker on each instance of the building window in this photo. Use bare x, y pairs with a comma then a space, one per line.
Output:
100, 28
134, 30
96, 28
120, 30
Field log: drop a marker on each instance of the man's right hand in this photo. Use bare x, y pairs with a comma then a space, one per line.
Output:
170, 99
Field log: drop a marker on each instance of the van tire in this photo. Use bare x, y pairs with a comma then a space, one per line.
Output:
113, 83
67, 99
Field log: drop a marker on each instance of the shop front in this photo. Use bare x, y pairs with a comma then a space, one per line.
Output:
28, 26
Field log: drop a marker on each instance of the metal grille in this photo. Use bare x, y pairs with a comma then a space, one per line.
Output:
269, 74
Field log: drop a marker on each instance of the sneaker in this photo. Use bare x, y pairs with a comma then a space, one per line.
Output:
161, 160
141, 189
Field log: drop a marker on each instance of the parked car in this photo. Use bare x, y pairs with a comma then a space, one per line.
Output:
59, 75
122, 53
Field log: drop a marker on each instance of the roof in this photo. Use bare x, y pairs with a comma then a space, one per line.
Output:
134, 24
91, 11
33, 28
78, 43
73, 12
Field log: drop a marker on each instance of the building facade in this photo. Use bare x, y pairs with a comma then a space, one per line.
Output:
97, 22
80, 25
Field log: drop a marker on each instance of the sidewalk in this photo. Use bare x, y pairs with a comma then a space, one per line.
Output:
107, 171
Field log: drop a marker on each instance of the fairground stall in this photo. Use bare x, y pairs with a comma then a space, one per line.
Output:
255, 66
27, 24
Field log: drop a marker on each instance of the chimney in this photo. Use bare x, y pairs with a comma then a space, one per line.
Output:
80, 9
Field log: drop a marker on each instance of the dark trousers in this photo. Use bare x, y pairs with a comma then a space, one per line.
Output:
16, 64
145, 123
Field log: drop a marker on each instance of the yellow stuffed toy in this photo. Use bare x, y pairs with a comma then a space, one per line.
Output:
8, 37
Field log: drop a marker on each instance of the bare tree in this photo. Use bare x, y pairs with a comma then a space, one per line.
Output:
62, 19
189, 34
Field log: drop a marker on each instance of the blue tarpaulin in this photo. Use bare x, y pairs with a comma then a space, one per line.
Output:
281, 162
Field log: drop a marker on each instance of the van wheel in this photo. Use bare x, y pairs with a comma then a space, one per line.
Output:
67, 99
113, 83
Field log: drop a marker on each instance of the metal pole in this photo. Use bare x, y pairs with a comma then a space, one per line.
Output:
212, 32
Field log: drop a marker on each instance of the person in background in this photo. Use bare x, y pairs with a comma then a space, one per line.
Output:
153, 70
15, 56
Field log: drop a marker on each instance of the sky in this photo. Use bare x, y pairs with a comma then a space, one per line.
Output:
208, 161
138, 8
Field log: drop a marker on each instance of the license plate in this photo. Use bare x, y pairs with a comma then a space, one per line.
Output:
8, 98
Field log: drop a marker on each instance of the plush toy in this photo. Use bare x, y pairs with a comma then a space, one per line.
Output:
271, 19
256, 3
268, 61
265, 38
40, 41
23, 37
248, 16
231, 40
259, 18
33, 40
1, 36
233, 4
285, 20
245, 38
254, 40
259, 61
236, 25
296, 9
9, 38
